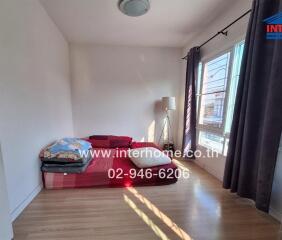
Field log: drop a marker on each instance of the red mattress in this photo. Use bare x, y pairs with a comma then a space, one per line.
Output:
123, 173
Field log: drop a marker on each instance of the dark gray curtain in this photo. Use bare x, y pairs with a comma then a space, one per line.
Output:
189, 133
257, 121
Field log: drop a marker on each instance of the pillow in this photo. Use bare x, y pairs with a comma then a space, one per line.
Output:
144, 144
120, 142
98, 141
148, 157
109, 141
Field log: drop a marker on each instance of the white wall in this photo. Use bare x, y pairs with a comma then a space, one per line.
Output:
115, 89
35, 103
235, 34
6, 231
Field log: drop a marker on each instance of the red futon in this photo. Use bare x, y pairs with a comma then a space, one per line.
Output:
113, 170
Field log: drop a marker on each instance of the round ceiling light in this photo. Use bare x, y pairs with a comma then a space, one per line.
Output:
134, 8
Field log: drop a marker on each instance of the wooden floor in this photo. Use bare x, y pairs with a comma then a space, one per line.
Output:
194, 208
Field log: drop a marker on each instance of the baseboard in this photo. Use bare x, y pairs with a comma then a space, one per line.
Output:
276, 214
17, 211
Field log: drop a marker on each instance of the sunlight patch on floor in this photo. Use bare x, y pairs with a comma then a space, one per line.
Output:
181, 166
172, 225
145, 218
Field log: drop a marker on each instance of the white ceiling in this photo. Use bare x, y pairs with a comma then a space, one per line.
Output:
168, 23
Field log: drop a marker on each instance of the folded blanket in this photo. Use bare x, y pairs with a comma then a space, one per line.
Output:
67, 164
65, 150
63, 167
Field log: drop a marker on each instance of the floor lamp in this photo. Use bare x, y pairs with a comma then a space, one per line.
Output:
168, 104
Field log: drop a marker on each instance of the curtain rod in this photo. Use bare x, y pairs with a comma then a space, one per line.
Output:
222, 31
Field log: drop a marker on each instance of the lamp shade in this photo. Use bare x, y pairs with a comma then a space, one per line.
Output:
168, 103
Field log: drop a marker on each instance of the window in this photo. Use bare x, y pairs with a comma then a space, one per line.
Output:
210, 140
213, 91
216, 94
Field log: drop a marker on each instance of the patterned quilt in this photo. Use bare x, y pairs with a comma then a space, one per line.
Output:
66, 149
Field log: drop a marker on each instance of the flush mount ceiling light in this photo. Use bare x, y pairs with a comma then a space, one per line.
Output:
134, 8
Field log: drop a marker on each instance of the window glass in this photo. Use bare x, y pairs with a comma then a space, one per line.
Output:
212, 108
213, 91
211, 141
198, 84
238, 54
226, 144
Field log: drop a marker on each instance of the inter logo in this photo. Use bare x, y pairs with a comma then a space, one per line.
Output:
274, 27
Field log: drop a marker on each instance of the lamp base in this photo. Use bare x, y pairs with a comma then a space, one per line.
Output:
169, 147
166, 123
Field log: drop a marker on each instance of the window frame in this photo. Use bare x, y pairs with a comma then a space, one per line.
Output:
213, 130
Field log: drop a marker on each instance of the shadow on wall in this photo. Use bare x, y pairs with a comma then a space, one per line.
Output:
159, 123
151, 131
154, 128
